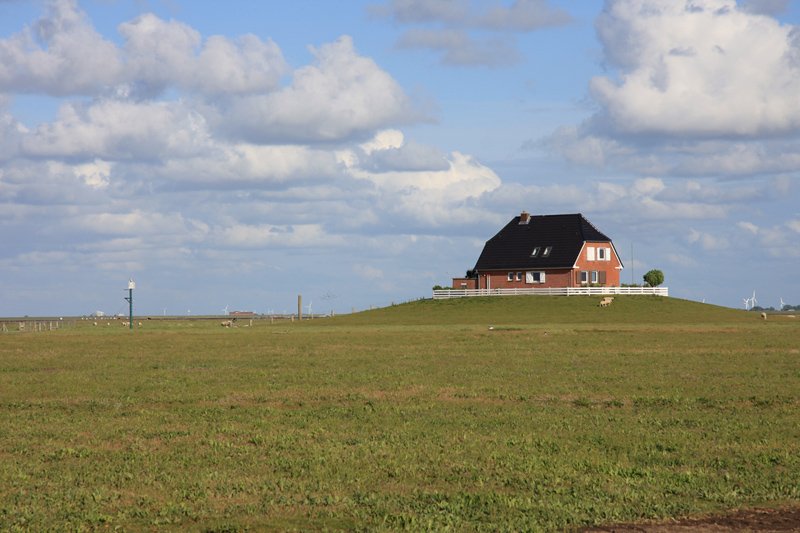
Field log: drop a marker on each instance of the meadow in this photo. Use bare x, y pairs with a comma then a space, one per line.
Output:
417, 416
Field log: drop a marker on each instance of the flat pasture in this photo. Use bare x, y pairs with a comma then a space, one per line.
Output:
563, 415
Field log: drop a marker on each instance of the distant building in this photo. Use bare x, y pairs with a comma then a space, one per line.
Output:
545, 251
242, 314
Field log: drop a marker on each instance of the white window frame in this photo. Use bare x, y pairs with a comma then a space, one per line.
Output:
601, 254
584, 277
547, 250
510, 276
530, 277
518, 277
590, 253
595, 277
535, 251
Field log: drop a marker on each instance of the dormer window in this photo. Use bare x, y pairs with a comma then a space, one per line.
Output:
535, 252
547, 251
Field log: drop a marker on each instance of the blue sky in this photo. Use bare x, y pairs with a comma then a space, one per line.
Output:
361, 152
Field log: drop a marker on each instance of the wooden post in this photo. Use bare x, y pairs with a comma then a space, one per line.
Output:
299, 307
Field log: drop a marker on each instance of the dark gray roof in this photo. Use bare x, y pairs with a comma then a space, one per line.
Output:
511, 248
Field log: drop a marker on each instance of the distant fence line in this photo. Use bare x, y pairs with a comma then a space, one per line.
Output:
34, 326
443, 294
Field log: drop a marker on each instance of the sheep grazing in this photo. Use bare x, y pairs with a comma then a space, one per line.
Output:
763, 316
226, 323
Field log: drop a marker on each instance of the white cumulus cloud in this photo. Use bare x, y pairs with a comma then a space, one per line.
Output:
120, 129
698, 67
342, 95
457, 28
161, 54
60, 54
96, 174
707, 241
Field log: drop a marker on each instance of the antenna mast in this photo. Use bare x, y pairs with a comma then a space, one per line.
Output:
632, 282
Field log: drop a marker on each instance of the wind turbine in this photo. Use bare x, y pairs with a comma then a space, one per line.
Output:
746, 303
327, 297
225, 310
309, 309
753, 300
783, 304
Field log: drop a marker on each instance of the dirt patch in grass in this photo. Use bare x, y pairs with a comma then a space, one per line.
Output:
758, 519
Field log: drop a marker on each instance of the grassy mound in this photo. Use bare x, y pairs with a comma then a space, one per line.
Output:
532, 310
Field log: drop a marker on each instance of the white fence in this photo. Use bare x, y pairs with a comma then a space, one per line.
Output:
8, 326
444, 294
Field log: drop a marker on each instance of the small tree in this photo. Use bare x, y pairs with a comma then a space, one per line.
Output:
654, 278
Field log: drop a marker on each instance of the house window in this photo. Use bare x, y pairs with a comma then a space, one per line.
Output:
534, 277
510, 276
546, 251
594, 275
590, 253
584, 277
519, 276
535, 252
602, 254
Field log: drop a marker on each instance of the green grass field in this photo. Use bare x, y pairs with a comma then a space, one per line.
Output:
415, 416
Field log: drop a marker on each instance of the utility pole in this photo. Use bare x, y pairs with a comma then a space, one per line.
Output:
299, 307
129, 299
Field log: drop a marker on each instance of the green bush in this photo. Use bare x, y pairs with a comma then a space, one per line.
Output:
654, 278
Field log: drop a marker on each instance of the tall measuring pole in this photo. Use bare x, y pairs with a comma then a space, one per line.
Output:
131, 286
632, 280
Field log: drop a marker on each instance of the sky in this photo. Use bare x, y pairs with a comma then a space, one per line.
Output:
234, 155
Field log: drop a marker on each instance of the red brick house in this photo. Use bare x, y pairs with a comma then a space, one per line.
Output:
545, 251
